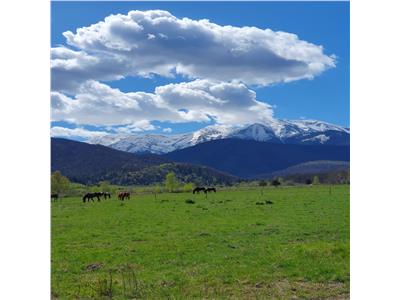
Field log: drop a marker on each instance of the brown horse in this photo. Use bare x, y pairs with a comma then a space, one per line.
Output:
123, 195
106, 195
90, 197
211, 190
199, 189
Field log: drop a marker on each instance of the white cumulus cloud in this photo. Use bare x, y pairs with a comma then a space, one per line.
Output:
142, 43
197, 101
222, 61
167, 130
138, 126
58, 131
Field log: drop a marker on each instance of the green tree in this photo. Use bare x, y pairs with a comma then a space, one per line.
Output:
262, 183
187, 187
105, 186
315, 180
157, 189
59, 183
94, 189
276, 182
171, 183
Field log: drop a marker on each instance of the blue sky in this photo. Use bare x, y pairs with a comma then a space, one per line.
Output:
325, 97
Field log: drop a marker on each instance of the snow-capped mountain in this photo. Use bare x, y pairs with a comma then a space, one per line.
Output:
277, 131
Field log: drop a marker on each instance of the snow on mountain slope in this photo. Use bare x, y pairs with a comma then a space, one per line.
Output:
257, 132
321, 138
153, 143
107, 140
277, 131
210, 133
317, 126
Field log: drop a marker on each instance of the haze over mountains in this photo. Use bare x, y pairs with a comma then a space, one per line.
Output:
303, 132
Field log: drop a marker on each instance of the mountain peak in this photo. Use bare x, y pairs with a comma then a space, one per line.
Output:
276, 131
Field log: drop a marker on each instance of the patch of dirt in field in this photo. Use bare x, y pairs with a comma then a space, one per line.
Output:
299, 290
204, 234
167, 283
93, 267
281, 290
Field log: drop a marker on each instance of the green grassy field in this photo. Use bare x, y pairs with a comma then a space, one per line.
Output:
222, 247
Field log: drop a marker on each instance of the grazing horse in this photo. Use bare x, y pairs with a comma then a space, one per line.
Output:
211, 190
91, 196
199, 189
106, 195
98, 195
123, 195
54, 197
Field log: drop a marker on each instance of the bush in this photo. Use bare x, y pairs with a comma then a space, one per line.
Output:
171, 183
188, 187
59, 183
275, 183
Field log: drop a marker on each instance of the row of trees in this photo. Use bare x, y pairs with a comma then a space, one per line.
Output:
172, 184
61, 185
280, 181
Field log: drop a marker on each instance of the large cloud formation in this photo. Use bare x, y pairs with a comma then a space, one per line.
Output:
222, 61
200, 100
58, 131
143, 43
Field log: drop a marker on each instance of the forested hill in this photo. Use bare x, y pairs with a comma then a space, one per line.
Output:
89, 164
250, 159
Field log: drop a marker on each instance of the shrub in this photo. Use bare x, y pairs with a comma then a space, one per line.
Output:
187, 187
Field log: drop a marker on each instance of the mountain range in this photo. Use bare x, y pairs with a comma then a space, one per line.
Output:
216, 154
297, 132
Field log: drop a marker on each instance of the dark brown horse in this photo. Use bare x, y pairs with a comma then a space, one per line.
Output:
105, 195
54, 197
211, 190
203, 189
90, 197
199, 189
123, 195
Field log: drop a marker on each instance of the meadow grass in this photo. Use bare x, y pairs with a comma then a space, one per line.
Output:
230, 245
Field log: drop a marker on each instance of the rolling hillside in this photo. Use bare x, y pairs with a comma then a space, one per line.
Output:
248, 159
89, 164
310, 167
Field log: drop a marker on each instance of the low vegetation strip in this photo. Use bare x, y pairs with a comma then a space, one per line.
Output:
223, 245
